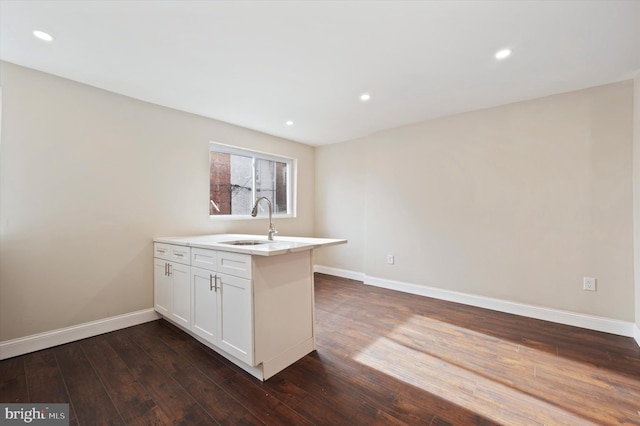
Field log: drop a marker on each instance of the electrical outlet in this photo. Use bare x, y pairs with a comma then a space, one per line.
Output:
589, 284
390, 259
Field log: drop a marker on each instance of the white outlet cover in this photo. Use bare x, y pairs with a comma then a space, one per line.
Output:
589, 284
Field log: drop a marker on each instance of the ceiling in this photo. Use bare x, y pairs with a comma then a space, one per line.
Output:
258, 64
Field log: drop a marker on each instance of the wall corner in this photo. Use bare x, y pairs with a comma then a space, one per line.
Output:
636, 202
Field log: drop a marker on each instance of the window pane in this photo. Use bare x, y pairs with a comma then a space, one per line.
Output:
271, 182
281, 201
230, 184
219, 183
241, 184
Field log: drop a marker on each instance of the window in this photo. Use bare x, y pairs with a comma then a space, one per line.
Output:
238, 177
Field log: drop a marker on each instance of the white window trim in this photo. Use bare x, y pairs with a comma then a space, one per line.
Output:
291, 179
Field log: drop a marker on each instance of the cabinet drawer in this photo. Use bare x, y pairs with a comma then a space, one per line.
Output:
162, 251
181, 254
171, 252
203, 258
236, 264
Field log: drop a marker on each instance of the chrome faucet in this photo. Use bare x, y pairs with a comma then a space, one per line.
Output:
254, 213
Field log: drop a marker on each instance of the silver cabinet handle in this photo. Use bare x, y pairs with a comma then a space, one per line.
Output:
170, 268
166, 269
179, 254
213, 286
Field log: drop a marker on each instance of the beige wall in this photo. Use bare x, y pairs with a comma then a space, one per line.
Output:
87, 179
340, 196
517, 202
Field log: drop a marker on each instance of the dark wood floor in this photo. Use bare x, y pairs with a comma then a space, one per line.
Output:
383, 357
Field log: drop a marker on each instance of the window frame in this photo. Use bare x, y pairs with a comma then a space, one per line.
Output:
291, 182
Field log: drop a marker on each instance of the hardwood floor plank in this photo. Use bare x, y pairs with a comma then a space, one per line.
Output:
310, 374
261, 404
131, 399
44, 378
45, 381
285, 391
322, 412
174, 401
410, 404
13, 382
213, 365
88, 396
211, 397
339, 404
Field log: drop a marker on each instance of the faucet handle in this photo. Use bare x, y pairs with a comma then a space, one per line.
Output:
272, 231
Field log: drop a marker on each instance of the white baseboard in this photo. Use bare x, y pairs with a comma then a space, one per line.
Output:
48, 339
343, 273
591, 322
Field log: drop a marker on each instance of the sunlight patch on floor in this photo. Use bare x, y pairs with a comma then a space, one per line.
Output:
497, 379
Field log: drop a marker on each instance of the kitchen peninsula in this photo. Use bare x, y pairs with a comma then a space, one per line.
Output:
248, 298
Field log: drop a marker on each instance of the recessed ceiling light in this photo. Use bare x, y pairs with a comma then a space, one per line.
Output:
289, 123
42, 35
365, 97
504, 53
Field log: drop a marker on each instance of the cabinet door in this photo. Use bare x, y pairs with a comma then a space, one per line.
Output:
204, 305
161, 287
236, 317
180, 293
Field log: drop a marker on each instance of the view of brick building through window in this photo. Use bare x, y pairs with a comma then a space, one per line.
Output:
231, 183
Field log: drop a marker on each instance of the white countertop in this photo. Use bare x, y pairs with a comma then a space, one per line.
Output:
279, 245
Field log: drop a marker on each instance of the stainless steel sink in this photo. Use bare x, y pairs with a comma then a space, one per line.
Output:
245, 242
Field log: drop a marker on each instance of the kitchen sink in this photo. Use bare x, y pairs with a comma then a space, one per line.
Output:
246, 242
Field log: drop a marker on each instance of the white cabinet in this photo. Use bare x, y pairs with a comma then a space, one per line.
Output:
172, 289
257, 311
221, 306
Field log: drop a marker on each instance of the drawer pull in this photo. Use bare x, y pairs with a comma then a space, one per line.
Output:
179, 254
